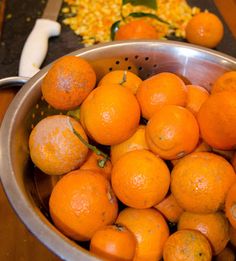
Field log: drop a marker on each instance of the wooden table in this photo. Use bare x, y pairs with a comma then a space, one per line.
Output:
16, 242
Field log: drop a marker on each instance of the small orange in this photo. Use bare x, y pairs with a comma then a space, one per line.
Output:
225, 82
232, 235
214, 226
226, 254
172, 132
217, 120
140, 179
125, 78
159, 90
230, 205
110, 114
136, 142
137, 29
196, 96
95, 163
170, 208
200, 182
114, 243
68, 82
205, 29
82, 202
185, 245
54, 148
150, 229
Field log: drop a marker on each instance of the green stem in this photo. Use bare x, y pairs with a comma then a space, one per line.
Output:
101, 162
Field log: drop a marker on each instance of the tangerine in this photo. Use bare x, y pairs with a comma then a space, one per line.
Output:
110, 114
140, 179
68, 82
54, 148
225, 82
230, 205
82, 202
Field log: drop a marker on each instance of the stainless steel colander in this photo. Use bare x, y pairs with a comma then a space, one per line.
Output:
27, 189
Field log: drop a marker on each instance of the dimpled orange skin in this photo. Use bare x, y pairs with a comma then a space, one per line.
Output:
217, 120
150, 230
125, 78
230, 205
205, 29
110, 114
114, 243
161, 89
200, 182
54, 148
137, 29
196, 96
225, 82
68, 82
170, 208
214, 226
172, 132
140, 179
81, 202
136, 142
187, 245
92, 163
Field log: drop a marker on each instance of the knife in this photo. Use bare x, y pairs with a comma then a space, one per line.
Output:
36, 46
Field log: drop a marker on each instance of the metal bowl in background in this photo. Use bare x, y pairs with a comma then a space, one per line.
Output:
27, 190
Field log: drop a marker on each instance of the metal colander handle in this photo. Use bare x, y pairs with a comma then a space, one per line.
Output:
14, 81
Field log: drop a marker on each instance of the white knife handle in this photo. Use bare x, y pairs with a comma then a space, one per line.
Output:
36, 46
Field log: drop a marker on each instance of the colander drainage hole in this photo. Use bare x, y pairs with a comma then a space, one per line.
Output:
146, 58
129, 68
140, 68
126, 58
136, 56
117, 62
110, 69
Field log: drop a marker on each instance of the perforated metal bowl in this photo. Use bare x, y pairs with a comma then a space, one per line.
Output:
27, 190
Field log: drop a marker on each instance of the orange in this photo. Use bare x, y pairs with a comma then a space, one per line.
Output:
95, 162
82, 202
68, 82
230, 205
232, 235
169, 208
137, 29
172, 132
140, 179
54, 148
114, 243
187, 245
214, 226
205, 29
217, 120
226, 255
110, 114
200, 182
124, 78
225, 82
196, 96
150, 229
136, 142
159, 90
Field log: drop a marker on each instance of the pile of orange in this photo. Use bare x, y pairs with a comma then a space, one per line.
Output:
163, 189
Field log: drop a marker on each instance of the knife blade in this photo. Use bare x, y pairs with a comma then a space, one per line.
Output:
36, 46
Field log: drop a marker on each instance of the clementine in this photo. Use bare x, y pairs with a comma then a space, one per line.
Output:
140, 179
82, 202
68, 82
110, 114
150, 229
172, 132
54, 148
114, 243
